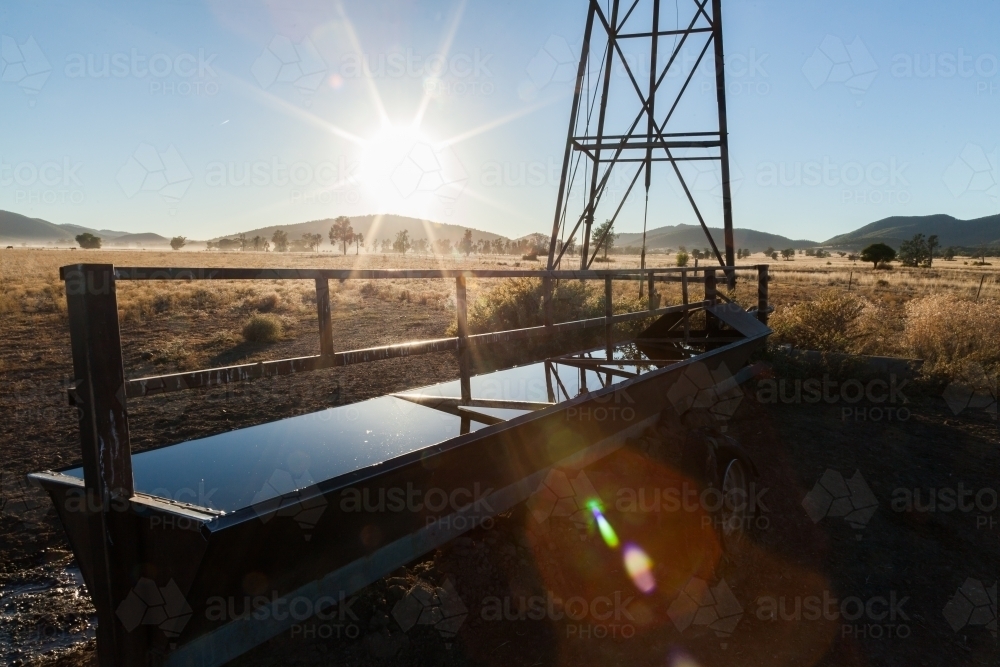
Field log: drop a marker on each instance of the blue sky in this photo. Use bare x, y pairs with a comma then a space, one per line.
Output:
206, 118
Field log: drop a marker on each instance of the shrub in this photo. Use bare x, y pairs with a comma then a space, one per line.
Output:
267, 303
835, 322
951, 334
262, 328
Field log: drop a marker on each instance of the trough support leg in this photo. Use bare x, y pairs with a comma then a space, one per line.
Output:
462, 312
99, 395
325, 319
762, 296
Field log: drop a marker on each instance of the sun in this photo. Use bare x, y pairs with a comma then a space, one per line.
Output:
384, 153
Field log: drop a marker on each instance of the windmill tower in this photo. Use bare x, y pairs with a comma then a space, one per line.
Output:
628, 123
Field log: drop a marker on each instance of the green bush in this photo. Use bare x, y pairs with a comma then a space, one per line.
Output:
263, 328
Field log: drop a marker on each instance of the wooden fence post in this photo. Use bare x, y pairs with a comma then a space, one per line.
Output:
712, 296
762, 306
687, 313
462, 312
325, 319
99, 395
609, 339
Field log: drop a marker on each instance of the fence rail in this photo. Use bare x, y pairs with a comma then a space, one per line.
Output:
98, 280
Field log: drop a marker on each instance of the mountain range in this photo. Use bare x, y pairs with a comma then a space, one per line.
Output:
16, 228
692, 236
950, 232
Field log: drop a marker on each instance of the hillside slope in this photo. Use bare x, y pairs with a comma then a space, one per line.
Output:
950, 231
375, 227
692, 236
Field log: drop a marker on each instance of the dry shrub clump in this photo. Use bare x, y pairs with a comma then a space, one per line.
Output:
517, 303
952, 334
835, 322
263, 328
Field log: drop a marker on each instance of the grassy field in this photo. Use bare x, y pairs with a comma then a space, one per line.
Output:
947, 315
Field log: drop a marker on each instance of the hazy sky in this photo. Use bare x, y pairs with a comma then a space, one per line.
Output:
205, 118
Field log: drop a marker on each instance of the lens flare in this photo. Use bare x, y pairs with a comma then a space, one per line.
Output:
607, 532
640, 567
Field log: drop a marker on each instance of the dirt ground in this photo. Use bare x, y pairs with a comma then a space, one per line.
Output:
913, 570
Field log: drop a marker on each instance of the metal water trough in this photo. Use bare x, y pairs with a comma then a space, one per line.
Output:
168, 577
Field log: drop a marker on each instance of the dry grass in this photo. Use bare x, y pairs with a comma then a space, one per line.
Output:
926, 313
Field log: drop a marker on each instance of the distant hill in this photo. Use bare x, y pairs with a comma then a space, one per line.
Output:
374, 227
17, 227
103, 233
693, 236
950, 232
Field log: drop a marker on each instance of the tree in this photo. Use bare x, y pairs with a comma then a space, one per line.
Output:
228, 244
682, 258
88, 241
178, 242
420, 246
774, 255
242, 238
878, 253
465, 245
769, 251
603, 230
949, 254
342, 232
402, 242
359, 240
913, 252
280, 240
257, 242
932, 244
312, 241
442, 246
788, 254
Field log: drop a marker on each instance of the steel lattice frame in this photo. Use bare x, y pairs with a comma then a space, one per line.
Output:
643, 143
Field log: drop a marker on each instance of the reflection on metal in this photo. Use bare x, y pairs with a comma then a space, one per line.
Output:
274, 497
